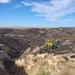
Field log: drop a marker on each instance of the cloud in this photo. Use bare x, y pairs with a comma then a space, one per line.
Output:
4, 1
54, 9
18, 6
26, 4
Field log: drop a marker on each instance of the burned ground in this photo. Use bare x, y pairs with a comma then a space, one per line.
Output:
20, 39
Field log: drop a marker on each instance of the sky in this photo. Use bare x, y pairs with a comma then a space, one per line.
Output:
37, 13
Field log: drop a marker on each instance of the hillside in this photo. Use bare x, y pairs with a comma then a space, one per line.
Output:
26, 49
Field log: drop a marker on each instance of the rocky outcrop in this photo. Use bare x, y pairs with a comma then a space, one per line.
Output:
56, 65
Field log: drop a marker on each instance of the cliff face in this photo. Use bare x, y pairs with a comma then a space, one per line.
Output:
61, 64
27, 48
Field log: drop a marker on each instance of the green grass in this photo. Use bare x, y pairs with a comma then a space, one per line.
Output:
7, 49
43, 72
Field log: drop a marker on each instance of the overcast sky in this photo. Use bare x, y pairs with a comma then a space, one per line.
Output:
37, 13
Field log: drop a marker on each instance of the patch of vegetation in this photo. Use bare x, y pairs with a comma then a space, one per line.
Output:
7, 49
1, 35
43, 72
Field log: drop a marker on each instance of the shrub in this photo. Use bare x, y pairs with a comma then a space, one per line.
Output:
7, 49
1, 35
